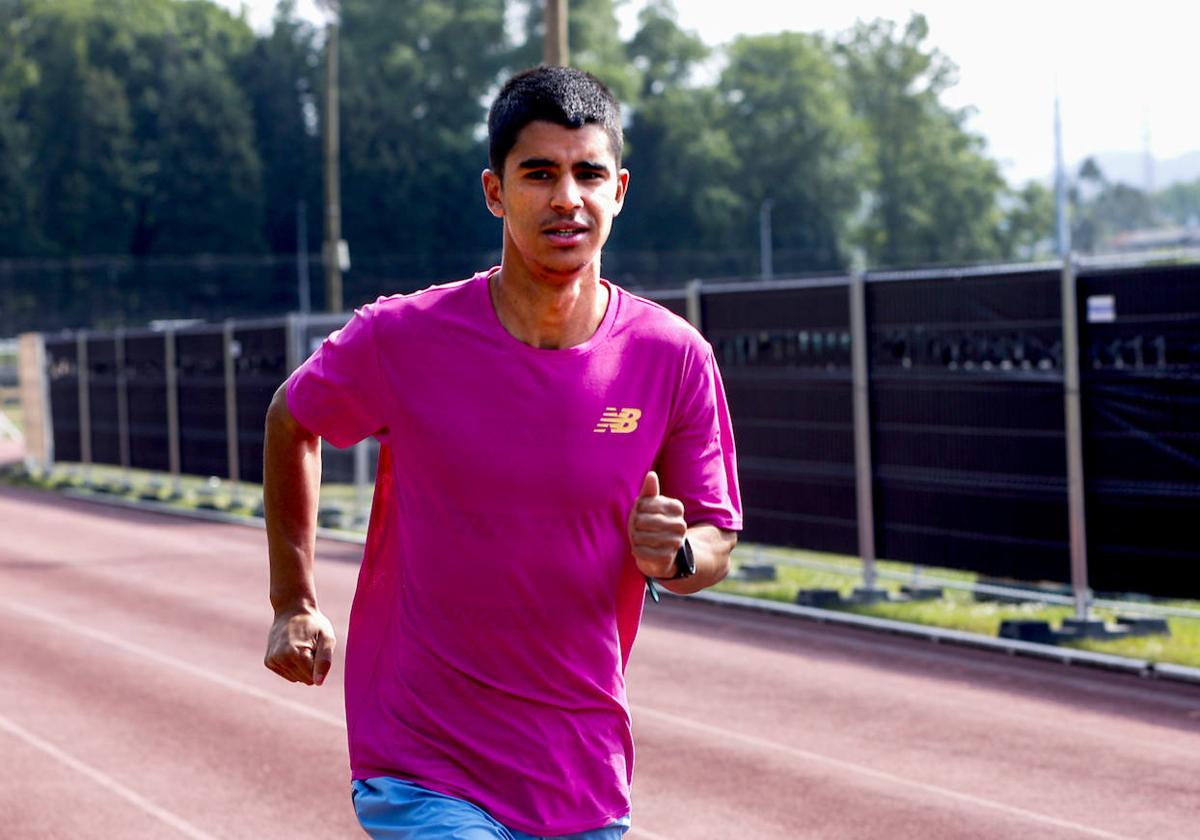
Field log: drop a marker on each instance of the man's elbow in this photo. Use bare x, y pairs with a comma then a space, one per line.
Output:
723, 558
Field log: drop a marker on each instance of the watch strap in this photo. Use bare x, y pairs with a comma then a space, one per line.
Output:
685, 562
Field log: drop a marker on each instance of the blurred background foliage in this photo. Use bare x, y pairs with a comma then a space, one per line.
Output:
166, 128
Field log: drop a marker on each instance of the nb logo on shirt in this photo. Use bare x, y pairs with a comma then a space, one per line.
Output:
619, 422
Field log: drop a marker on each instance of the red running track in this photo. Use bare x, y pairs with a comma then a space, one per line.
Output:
134, 704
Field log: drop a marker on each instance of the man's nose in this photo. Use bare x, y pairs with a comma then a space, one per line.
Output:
566, 194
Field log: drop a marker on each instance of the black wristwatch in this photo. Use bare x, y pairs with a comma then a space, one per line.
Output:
685, 562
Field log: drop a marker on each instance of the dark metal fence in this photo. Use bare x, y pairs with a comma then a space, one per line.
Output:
967, 463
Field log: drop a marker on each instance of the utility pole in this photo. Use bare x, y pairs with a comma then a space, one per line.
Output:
333, 252
556, 52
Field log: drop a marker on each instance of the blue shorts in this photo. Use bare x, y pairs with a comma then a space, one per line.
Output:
393, 809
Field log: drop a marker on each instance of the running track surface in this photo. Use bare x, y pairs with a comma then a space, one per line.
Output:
133, 704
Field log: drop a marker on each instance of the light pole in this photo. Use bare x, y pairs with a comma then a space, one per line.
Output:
334, 253
765, 249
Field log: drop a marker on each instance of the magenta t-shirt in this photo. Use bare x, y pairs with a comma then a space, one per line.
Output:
498, 599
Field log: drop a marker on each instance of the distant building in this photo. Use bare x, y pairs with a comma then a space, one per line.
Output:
1159, 239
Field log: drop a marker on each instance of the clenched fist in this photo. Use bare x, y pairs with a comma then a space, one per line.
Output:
300, 646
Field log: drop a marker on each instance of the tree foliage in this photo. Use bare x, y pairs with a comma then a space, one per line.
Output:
932, 193
168, 127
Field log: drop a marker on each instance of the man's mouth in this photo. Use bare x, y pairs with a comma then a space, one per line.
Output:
566, 231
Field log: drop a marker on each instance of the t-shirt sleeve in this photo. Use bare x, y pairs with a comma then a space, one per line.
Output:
698, 463
336, 392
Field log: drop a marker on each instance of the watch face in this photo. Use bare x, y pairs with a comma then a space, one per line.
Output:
685, 561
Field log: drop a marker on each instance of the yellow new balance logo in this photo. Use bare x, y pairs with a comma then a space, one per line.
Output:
620, 422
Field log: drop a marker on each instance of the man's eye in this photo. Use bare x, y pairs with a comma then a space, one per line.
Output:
538, 175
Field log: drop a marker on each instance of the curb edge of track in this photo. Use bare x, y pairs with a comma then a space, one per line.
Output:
1066, 656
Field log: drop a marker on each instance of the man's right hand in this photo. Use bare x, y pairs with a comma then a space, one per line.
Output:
300, 646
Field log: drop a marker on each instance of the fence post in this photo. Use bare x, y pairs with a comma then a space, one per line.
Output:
35, 400
863, 474
85, 407
171, 368
232, 350
122, 405
1074, 429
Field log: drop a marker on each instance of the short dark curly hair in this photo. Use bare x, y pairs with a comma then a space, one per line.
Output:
565, 96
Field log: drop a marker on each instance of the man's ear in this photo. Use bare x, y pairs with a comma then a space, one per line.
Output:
622, 188
493, 193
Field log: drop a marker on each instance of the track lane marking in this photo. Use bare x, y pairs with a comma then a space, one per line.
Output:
871, 772
636, 833
105, 781
666, 717
174, 662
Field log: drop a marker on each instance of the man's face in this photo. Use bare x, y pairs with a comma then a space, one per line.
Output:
560, 192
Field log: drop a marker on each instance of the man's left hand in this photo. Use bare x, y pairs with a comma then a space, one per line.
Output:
656, 529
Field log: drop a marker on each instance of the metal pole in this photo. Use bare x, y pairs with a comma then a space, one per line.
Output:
303, 286
1074, 428
362, 495
333, 200
1060, 188
863, 474
85, 406
765, 249
556, 51
171, 369
232, 351
695, 314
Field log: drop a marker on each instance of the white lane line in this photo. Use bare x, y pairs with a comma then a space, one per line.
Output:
105, 781
671, 718
666, 717
173, 662
636, 833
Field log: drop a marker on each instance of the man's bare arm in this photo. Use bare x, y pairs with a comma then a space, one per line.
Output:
657, 529
301, 641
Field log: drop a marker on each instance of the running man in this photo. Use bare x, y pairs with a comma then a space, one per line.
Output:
549, 443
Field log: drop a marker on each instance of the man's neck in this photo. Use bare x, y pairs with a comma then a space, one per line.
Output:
549, 315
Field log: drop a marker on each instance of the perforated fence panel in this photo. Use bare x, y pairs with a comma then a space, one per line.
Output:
261, 365
62, 370
784, 354
966, 407
102, 399
967, 414
1140, 369
146, 387
200, 353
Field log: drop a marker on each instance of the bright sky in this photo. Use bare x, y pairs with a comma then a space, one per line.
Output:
1127, 73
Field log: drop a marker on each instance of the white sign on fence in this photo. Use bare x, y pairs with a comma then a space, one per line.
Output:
1101, 309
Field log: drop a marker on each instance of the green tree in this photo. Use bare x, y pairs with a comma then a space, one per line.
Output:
80, 136
1100, 209
205, 195
1029, 223
1180, 203
793, 138
933, 195
281, 76
202, 184
415, 76
682, 159
18, 234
